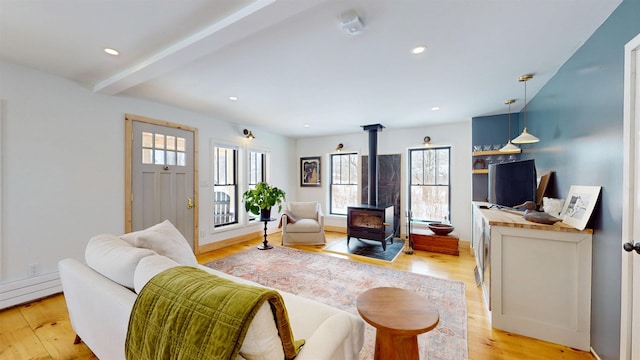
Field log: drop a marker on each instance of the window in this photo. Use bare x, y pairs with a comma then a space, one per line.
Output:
429, 191
160, 149
257, 168
257, 172
225, 195
344, 182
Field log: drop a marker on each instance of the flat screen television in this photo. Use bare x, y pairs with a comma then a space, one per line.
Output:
512, 183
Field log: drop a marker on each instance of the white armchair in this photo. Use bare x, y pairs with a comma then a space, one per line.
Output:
303, 224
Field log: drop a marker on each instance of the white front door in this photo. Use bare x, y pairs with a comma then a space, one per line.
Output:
162, 163
630, 296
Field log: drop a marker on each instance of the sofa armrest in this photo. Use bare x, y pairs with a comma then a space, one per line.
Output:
334, 340
99, 308
320, 217
284, 220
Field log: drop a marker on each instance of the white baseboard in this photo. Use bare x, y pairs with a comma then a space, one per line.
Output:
593, 352
22, 291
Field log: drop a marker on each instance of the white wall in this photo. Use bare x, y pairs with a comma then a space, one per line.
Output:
62, 178
63, 167
458, 135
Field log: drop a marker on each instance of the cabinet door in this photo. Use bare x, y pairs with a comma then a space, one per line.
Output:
476, 242
486, 261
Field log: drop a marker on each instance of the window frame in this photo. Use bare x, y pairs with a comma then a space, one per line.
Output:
331, 179
235, 183
410, 186
266, 159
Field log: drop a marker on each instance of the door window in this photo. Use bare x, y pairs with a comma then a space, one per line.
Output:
161, 149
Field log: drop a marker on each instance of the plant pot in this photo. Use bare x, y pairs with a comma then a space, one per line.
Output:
265, 214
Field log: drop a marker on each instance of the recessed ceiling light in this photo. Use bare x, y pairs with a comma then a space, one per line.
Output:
111, 51
418, 49
233, 98
435, 108
306, 125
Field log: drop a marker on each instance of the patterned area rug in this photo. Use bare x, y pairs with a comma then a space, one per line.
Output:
338, 282
368, 248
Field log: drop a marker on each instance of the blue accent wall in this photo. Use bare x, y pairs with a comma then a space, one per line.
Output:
490, 130
578, 116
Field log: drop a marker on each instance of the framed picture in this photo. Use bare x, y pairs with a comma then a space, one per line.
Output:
579, 205
543, 183
310, 171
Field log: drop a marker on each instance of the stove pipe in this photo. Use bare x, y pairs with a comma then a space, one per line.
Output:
373, 162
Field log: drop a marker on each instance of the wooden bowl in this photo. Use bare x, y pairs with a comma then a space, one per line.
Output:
441, 229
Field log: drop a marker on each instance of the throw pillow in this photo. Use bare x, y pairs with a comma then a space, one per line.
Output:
132, 236
166, 240
114, 258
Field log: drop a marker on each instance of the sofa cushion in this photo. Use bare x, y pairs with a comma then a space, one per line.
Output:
304, 226
304, 210
149, 267
166, 240
114, 258
261, 341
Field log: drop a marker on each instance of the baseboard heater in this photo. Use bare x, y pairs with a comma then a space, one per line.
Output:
22, 291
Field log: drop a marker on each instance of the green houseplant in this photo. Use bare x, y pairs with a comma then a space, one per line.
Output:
259, 201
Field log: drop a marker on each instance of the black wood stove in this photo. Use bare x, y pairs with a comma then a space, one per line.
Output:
371, 221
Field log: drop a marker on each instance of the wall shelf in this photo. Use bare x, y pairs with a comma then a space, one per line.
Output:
484, 169
496, 152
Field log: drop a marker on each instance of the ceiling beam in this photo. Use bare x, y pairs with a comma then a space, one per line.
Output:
248, 20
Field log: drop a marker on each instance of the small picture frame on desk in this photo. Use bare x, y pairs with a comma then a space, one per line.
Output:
579, 205
310, 171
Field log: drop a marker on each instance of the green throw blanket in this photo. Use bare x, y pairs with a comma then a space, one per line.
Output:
186, 313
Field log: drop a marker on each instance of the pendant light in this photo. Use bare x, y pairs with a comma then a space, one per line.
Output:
509, 146
525, 137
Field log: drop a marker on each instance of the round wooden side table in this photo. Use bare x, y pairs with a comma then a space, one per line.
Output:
399, 316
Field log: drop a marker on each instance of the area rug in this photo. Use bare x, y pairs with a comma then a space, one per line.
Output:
368, 248
338, 282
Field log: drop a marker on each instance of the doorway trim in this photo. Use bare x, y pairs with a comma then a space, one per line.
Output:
128, 168
631, 52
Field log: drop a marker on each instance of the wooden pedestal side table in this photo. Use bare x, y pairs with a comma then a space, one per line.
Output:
399, 316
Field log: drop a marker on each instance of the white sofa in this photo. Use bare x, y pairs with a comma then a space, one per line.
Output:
100, 296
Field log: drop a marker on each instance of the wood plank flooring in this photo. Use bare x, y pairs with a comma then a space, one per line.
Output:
41, 329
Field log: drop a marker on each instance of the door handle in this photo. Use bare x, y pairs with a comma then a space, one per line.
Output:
190, 203
628, 247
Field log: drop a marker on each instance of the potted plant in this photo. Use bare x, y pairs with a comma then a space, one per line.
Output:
259, 201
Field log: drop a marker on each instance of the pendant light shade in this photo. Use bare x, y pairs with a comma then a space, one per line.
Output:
525, 137
509, 146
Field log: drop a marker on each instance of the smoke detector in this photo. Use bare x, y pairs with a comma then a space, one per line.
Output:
352, 25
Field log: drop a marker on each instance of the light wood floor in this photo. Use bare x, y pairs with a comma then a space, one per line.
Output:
41, 329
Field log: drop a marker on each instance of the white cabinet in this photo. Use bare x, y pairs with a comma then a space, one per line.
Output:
540, 278
481, 244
